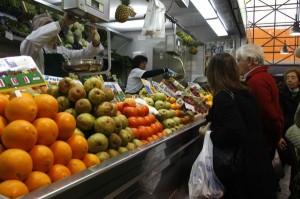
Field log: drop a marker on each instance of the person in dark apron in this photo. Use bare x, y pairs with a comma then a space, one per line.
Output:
53, 64
42, 45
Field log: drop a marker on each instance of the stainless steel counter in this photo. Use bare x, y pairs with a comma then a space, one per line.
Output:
154, 169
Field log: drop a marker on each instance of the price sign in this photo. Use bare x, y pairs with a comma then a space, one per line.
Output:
18, 73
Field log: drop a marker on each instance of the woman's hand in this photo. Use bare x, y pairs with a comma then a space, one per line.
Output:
203, 129
282, 144
95, 36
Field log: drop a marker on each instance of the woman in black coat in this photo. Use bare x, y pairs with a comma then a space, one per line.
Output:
234, 122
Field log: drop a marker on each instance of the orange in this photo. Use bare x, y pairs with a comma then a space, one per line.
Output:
47, 130
62, 152
3, 123
13, 188
90, 159
47, 105
2, 148
66, 125
23, 94
15, 164
42, 158
37, 179
19, 134
58, 171
3, 102
76, 165
172, 100
79, 146
21, 108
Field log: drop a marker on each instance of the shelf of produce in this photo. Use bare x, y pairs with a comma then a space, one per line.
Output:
155, 169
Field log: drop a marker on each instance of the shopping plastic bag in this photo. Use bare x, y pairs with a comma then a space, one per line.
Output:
203, 182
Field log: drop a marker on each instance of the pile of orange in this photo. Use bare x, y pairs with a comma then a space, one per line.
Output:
38, 145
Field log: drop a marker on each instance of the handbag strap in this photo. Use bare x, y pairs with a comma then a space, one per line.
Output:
230, 93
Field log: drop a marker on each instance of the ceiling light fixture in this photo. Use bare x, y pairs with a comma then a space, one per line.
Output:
207, 10
295, 31
284, 49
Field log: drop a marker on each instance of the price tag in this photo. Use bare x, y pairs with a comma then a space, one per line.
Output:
9, 35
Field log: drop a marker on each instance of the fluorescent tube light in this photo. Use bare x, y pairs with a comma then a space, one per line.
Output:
205, 8
130, 25
217, 26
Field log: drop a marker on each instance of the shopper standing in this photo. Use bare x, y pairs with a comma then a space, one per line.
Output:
250, 59
289, 99
234, 119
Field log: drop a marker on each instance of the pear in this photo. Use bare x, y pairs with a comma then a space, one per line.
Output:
65, 84
92, 82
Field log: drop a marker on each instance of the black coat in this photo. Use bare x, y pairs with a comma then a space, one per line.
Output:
236, 123
288, 105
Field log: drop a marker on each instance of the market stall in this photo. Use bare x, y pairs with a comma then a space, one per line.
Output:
157, 169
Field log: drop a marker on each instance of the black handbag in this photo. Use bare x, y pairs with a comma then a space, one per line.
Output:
227, 162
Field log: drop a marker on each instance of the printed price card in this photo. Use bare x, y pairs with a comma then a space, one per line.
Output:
19, 72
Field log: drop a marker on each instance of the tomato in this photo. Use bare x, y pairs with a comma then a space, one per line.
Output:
148, 120
143, 132
146, 109
120, 106
129, 111
133, 122
136, 132
142, 121
140, 110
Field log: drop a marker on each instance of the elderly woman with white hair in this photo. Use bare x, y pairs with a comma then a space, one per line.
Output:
250, 59
42, 45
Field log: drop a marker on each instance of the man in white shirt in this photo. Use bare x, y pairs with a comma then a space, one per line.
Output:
41, 45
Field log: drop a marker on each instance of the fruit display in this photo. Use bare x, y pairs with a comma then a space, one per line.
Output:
74, 125
38, 144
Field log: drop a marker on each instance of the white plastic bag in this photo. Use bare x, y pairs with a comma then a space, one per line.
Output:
203, 182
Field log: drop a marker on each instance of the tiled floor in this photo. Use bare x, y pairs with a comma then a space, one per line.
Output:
182, 191
284, 184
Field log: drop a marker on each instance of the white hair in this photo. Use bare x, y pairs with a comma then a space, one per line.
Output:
40, 20
253, 51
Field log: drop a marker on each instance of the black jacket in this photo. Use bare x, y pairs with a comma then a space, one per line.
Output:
288, 105
235, 122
